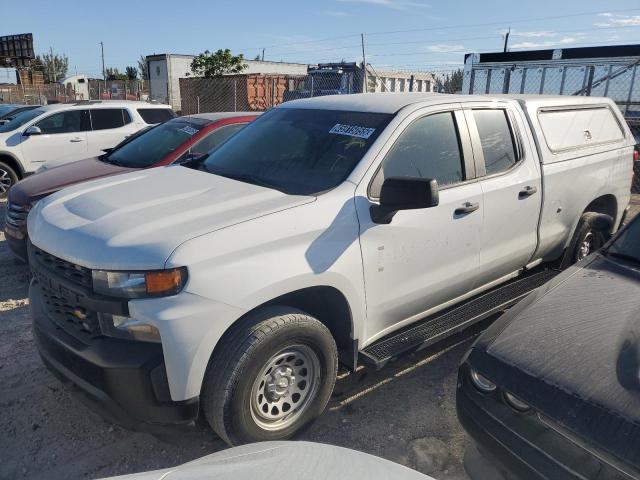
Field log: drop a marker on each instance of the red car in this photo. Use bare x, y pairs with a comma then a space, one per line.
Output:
174, 141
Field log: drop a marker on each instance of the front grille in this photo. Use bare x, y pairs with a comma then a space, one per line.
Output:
74, 319
70, 271
16, 215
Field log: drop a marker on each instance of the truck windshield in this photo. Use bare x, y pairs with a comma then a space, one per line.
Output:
298, 151
20, 119
627, 246
153, 145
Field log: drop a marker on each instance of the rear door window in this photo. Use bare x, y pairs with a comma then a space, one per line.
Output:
216, 137
566, 129
156, 115
496, 138
107, 118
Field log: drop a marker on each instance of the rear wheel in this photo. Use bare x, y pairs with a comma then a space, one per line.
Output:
8, 178
585, 240
273, 375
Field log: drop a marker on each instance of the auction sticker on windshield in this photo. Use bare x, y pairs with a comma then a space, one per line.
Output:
352, 130
189, 130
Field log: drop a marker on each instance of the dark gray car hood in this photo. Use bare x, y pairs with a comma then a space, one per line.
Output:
572, 350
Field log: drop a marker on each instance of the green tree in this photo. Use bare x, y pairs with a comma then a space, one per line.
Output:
131, 72
451, 83
218, 63
142, 67
54, 68
114, 74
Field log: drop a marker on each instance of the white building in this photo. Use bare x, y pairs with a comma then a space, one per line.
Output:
393, 81
165, 71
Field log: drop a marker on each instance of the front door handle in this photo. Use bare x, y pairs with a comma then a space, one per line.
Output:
528, 191
76, 140
467, 208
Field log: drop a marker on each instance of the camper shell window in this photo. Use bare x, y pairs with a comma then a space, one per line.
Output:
579, 127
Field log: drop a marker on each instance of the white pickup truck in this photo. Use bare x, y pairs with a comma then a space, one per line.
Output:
354, 227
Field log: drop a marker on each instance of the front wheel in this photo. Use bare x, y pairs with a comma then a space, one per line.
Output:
273, 375
8, 178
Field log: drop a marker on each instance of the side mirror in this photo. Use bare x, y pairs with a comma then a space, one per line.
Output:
190, 158
404, 193
4, 121
107, 150
32, 130
601, 223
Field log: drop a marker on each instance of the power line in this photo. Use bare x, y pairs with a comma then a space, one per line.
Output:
446, 27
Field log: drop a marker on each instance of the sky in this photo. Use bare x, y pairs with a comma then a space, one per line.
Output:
413, 35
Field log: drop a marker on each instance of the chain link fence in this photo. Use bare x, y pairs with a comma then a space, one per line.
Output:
45, 94
618, 80
259, 92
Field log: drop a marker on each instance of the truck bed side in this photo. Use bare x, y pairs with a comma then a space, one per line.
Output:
576, 180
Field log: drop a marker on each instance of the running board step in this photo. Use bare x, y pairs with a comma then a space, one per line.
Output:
443, 324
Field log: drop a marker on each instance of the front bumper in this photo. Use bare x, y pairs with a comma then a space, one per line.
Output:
124, 381
513, 445
17, 242
15, 229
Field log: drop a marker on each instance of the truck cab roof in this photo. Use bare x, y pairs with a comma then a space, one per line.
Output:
393, 102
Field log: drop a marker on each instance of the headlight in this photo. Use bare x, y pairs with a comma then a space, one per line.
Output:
481, 382
128, 328
515, 402
157, 283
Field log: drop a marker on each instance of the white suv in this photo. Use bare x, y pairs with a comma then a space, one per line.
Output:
68, 132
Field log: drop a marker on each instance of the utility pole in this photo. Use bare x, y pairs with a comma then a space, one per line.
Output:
104, 75
263, 54
53, 66
506, 40
364, 64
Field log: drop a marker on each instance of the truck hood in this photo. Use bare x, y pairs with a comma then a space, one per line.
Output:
134, 221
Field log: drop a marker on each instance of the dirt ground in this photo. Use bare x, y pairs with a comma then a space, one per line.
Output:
405, 412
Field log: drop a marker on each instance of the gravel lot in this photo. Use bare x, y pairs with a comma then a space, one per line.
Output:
405, 412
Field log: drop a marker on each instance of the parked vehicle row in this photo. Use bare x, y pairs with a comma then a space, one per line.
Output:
342, 228
178, 140
67, 132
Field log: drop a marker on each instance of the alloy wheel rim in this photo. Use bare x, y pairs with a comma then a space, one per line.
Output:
586, 246
5, 181
285, 387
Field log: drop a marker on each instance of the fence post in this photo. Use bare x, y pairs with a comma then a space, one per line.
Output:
312, 86
273, 92
411, 83
198, 103
235, 94
592, 71
630, 96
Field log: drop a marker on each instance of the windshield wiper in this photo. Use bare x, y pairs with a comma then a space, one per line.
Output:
248, 178
622, 256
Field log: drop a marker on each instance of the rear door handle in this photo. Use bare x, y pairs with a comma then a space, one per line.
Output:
76, 140
467, 208
528, 191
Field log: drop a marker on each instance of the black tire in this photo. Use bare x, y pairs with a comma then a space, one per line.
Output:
584, 234
8, 178
238, 367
